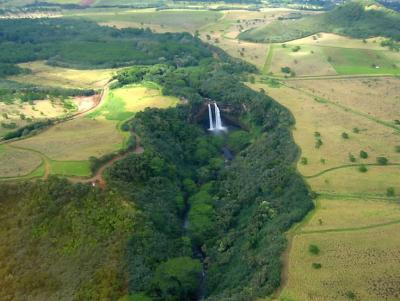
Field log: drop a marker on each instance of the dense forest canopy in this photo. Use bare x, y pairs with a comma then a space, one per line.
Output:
238, 211
84, 44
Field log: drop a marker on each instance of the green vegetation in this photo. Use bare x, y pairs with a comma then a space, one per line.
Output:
80, 231
84, 44
354, 19
313, 249
183, 167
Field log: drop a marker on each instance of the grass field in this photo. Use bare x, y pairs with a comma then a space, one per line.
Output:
339, 214
361, 61
70, 168
123, 103
330, 122
359, 253
76, 140
160, 21
21, 113
68, 145
326, 54
16, 163
350, 180
45, 75
363, 94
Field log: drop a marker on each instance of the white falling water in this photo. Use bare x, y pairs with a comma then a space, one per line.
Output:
210, 118
218, 121
217, 124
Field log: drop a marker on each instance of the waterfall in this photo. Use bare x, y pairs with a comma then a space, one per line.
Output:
210, 118
218, 122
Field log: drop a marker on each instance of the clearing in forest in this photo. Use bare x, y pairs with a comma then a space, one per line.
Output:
45, 75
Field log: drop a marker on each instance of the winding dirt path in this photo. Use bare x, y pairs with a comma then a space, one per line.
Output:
98, 177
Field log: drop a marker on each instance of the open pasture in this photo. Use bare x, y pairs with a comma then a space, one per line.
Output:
377, 97
309, 60
16, 162
123, 103
322, 121
329, 54
45, 75
361, 61
76, 140
354, 264
335, 40
342, 213
349, 180
21, 113
160, 21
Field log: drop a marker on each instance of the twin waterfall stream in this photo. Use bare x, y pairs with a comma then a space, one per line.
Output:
217, 124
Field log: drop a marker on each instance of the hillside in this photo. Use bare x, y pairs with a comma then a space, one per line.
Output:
354, 19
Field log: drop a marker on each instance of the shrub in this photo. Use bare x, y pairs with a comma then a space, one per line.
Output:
296, 48
352, 158
316, 265
390, 191
317, 134
345, 135
356, 130
304, 161
350, 295
286, 70
362, 168
363, 154
397, 148
381, 160
318, 143
313, 249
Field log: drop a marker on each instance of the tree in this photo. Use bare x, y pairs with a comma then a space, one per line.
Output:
177, 278
362, 168
363, 154
313, 249
345, 135
390, 191
381, 160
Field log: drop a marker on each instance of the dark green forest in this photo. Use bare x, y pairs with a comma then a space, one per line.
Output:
195, 211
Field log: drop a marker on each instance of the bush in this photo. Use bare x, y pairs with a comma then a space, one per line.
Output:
363, 154
397, 148
362, 168
381, 160
313, 249
304, 161
390, 191
352, 158
286, 70
350, 295
345, 135
356, 130
316, 265
318, 143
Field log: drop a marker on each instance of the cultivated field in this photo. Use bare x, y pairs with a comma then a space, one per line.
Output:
17, 162
67, 146
45, 75
358, 257
326, 54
